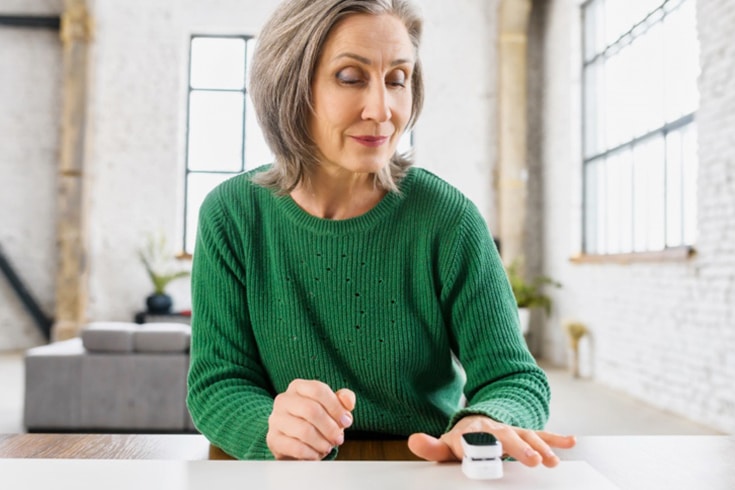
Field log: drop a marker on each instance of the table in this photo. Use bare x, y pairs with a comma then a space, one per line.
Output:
189, 447
629, 462
660, 462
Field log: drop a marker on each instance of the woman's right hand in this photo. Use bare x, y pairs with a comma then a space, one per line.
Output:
308, 420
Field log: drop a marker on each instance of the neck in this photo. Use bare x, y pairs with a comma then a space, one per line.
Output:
337, 197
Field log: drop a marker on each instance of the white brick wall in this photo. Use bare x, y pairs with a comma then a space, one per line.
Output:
664, 332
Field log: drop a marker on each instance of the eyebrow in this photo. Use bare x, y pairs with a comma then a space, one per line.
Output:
366, 61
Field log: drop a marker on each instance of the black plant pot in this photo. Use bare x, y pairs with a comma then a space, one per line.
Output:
159, 304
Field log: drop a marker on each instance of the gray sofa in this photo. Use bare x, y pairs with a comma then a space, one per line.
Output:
115, 377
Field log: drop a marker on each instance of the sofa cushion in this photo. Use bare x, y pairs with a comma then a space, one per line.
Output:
71, 347
69, 388
162, 337
52, 391
109, 336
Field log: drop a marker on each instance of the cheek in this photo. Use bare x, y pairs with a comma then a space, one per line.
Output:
342, 110
402, 111
334, 116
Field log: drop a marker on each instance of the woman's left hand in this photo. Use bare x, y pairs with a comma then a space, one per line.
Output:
530, 447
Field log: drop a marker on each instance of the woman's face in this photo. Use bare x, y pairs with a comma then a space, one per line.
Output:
361, 92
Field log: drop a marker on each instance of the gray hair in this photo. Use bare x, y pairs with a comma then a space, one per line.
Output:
283, 64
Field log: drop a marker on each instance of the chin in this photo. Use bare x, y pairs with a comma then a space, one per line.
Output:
370, 166
369, 169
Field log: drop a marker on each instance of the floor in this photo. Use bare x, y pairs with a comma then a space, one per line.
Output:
579, 407
583, 407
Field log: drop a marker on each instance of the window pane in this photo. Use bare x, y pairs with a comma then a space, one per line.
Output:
594, 98
689, 176
590, 215
619, 193
617, 22
681, 62
251, 45
218, 63
198, 186
215, 131
648, 164
601, 211
612, 196
646, 81
257, 151
619, 89
594, 41
674, 193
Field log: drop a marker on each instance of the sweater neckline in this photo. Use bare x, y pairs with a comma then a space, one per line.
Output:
363, 222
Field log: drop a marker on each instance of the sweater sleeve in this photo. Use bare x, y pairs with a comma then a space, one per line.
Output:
503, 380
229, 393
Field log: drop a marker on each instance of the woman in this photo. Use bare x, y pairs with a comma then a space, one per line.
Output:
339, 290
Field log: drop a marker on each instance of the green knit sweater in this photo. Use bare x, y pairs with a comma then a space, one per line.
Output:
377, 304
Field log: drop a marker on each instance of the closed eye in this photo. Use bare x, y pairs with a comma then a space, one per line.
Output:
349, 76
397, 79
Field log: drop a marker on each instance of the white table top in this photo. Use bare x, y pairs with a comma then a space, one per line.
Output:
140, 461
63, 474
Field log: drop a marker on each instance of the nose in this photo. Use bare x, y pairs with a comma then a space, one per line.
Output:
377, 104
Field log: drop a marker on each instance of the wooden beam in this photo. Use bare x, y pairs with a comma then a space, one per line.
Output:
72, 271
513, 165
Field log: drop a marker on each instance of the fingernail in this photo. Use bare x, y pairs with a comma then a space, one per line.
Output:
346, 420
340, 439
530, 453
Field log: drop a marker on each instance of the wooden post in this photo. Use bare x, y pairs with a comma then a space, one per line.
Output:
72, 273
513, 167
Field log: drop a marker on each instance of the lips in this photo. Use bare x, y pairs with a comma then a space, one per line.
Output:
371, 141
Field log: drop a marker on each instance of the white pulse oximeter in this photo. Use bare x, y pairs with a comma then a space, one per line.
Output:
482, 456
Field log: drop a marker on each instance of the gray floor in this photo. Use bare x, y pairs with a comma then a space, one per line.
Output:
579, 407
583, 407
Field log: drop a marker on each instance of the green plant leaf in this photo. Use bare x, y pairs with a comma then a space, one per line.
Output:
529, 293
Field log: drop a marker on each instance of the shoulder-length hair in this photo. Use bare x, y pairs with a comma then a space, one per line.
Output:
286, 55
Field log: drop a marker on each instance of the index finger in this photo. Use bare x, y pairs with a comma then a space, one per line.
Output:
347, 398
323, 394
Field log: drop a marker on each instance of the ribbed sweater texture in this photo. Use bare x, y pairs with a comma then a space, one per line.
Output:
407, 305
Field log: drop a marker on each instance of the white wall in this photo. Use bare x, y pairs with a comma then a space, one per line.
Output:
136, 125
456, 137
30, 97
663, 332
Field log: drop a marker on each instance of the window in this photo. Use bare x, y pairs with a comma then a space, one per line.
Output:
640, 69
223, 136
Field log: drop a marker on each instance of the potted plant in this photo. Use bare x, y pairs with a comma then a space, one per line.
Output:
575, 332
159, 263
529, 293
